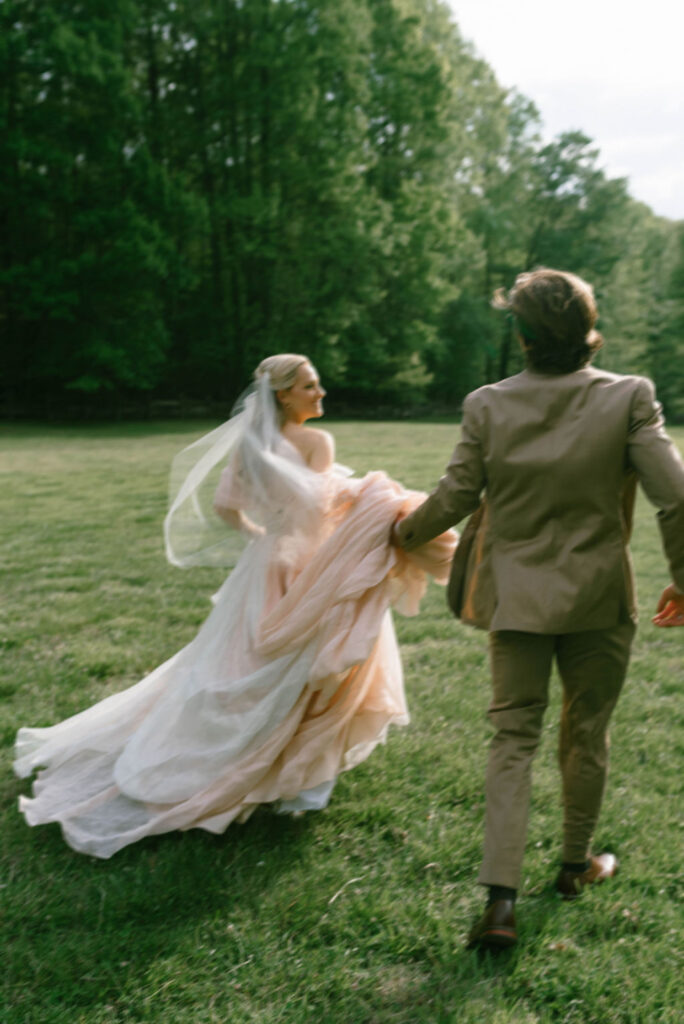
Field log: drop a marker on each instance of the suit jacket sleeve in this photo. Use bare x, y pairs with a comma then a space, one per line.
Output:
660, 470
458, 492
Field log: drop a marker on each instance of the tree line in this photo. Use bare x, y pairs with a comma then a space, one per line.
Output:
187, 186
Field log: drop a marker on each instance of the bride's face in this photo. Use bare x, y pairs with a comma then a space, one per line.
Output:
304, 400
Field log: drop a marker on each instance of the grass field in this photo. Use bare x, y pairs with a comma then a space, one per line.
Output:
354, 915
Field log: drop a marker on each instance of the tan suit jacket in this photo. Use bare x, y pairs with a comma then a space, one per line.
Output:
557, 458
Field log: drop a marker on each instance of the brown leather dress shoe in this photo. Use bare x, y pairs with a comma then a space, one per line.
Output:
571, 884
496, 928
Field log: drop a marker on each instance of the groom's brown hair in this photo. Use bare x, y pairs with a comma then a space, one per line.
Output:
554, 312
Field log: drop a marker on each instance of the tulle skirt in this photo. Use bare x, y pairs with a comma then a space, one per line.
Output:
294, 677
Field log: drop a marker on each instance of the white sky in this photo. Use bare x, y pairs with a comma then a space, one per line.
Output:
612, 68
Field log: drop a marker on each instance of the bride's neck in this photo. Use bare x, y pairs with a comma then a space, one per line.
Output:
293, 427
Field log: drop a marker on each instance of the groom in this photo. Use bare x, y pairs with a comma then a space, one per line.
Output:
555, 451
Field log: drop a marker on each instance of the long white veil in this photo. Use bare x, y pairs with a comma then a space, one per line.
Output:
278, 485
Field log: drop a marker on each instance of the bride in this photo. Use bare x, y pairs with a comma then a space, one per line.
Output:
295, 675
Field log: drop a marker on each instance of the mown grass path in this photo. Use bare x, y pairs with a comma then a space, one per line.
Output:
351, 916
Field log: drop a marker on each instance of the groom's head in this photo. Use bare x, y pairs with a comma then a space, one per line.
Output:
554, 314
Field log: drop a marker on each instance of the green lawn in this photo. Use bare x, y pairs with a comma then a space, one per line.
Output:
354, 915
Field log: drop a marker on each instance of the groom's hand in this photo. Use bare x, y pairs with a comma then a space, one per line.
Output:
670, 610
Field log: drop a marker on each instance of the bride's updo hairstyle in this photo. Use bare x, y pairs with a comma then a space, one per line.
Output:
554, 312
281, 371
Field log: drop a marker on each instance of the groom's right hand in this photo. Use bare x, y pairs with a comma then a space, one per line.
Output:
670, 609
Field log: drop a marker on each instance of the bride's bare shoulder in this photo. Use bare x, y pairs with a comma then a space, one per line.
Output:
324, 445
316, 446
320, 445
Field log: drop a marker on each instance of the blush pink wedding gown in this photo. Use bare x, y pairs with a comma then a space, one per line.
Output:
294, 677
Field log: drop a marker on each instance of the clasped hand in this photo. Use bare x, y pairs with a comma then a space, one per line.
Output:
394, 535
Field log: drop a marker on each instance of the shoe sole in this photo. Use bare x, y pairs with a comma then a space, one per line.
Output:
587, 885
494, 938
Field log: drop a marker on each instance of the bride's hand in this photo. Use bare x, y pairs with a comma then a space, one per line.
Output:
394, 536
670, 609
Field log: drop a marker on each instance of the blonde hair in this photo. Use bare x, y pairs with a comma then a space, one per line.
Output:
281, 370
555, 313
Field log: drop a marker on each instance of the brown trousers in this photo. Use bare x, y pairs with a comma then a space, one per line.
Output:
592, 667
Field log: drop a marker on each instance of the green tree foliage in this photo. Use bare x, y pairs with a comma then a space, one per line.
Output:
85, 236
666, 337
188, 186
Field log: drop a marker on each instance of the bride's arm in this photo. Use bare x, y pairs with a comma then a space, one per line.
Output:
228, 496
238, 520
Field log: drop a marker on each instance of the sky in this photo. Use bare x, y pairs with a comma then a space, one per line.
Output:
613, 69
